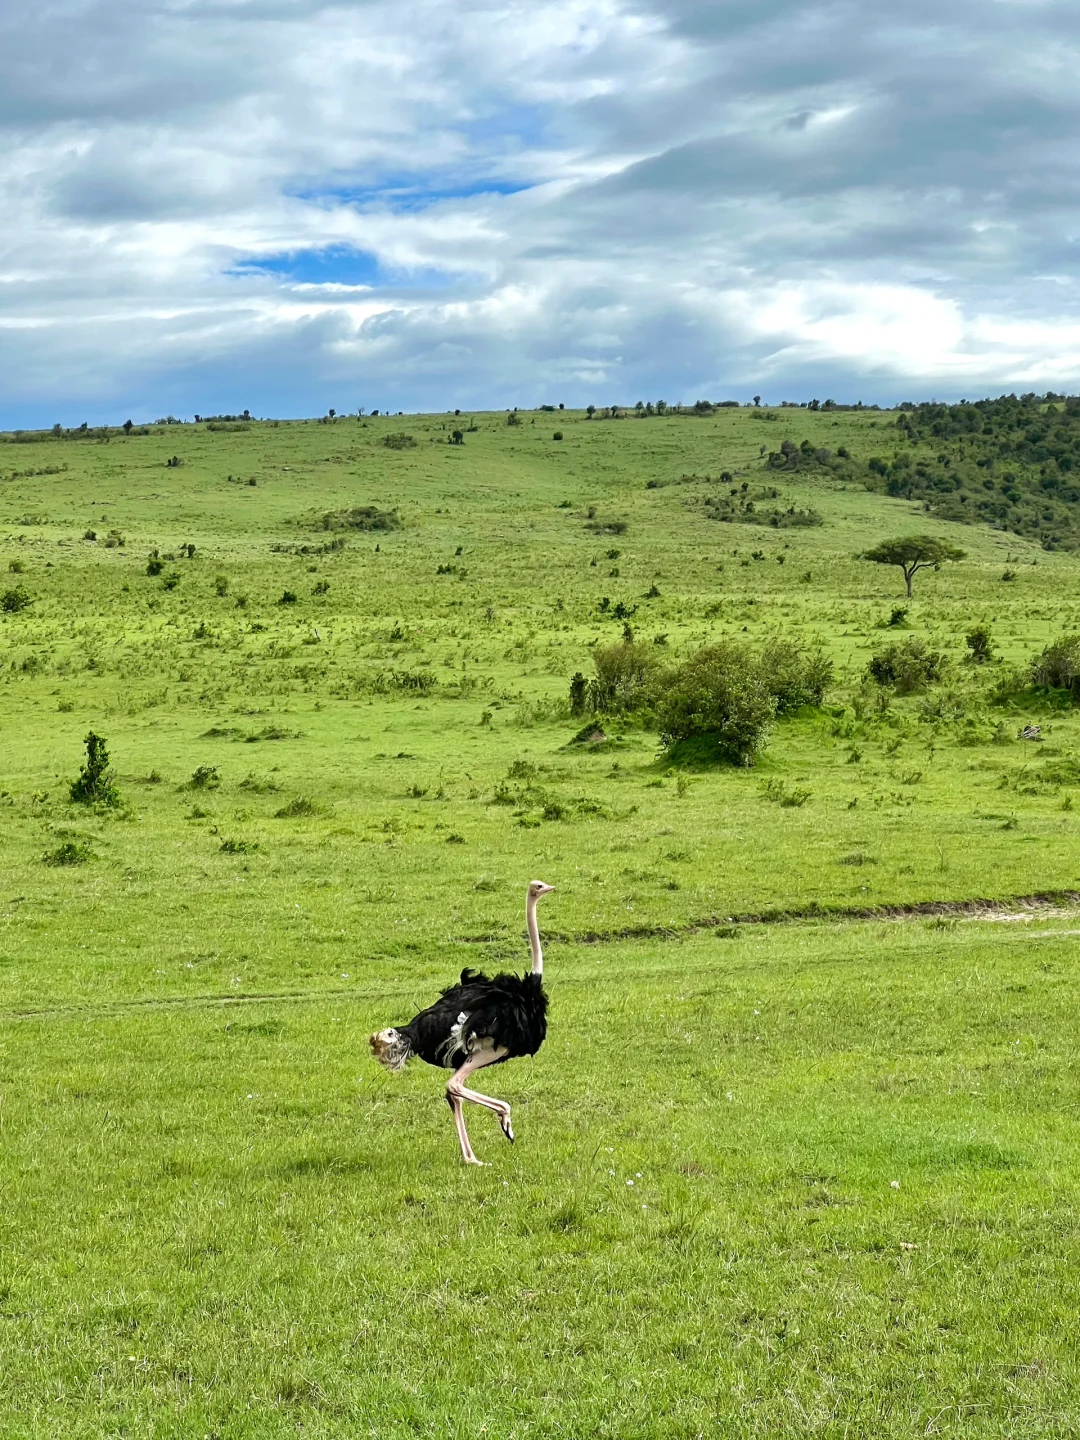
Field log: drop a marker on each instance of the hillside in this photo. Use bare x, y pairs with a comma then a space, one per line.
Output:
508, 557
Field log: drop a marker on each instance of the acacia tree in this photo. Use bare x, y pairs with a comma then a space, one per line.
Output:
913, 553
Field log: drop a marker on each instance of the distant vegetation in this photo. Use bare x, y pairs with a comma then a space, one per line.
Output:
725, 696
1013, 463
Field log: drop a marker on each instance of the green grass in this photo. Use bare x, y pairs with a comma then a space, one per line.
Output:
221, 1218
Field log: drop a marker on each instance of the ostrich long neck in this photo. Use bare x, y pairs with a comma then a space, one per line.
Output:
534, 936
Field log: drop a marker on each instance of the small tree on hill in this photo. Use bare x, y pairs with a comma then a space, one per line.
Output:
913, 553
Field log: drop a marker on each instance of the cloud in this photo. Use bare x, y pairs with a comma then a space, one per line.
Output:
289, 204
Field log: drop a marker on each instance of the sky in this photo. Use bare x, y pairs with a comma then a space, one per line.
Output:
285, 205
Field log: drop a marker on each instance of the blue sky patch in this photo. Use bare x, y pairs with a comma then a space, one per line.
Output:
339, 265
404, 193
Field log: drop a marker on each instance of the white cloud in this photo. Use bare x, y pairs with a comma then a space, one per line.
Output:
610, 199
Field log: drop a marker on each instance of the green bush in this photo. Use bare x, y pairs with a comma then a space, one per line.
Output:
95, 784
297, 809
794, 676
719, 694
15, 600
361, 517
626, 677
723, 699
1058, 667
908, 666
980, 644
71, 852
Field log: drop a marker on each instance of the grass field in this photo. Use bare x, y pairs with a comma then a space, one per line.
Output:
774, 1175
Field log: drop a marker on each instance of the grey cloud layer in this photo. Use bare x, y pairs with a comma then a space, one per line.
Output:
718, 197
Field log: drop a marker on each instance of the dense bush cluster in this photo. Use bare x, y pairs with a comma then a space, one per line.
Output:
12, 601
737, 508
792, 458
361, 517
1013, 463
726, 696
907, 665
1058, 667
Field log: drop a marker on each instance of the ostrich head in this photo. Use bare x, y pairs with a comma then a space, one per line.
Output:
538, 888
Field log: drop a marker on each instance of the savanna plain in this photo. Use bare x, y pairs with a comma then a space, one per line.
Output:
800, 1156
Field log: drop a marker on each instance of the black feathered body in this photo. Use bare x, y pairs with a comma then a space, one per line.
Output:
507, 1011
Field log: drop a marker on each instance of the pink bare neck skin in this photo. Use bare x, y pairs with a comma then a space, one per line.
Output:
534, 935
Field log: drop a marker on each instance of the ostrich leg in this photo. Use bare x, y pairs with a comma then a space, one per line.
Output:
457, 1091
454, 1101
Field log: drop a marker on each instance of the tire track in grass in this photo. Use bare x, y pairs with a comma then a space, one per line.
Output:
1062, 902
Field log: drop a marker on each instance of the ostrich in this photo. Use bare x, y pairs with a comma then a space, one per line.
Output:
480, 1021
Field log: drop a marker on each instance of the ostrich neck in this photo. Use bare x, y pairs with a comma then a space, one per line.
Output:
534, 937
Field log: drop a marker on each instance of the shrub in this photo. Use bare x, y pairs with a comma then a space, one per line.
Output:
579, 694
259, 785
297, 809
12, 601
625, 676
980, 645
71, 852
287, 598
238, 847
908, 666
205, 777
792, 799
718, 696
420, 681
1058, 667
794, 676
221, 584
361, 517
95, 784
154, 565
399, 442
557, 435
